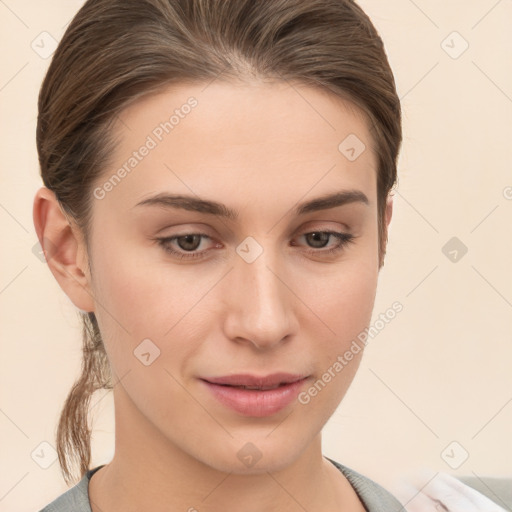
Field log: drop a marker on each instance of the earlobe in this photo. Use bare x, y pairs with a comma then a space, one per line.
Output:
64, 249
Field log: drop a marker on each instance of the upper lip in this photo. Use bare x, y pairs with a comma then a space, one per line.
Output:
244, 379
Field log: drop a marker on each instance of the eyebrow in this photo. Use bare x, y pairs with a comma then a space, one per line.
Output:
195, 204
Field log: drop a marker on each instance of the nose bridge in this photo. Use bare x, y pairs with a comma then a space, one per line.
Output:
259, 304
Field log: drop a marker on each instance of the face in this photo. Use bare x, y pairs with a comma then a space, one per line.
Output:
247, 279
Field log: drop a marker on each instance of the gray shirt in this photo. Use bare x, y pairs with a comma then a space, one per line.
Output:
374, 497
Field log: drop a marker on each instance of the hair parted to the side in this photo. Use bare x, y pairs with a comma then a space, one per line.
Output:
116, 51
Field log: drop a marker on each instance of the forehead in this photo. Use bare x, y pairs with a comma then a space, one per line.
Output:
240, 140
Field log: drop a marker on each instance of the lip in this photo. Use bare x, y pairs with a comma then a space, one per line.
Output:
256, 402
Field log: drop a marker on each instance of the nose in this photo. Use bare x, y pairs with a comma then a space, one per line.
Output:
259, 303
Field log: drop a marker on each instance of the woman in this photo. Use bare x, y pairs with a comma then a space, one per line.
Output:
218, 179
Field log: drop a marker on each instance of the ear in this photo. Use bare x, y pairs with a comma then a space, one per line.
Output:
64, 249
389, 210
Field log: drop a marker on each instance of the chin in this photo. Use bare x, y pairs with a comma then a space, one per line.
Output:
258, 454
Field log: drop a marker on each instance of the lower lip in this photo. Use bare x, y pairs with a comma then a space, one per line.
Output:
250, 402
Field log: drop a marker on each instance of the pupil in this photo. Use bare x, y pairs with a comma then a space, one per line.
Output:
189, 240
323, 238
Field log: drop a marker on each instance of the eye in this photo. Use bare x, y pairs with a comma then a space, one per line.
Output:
319, 239
186, 246
187, 243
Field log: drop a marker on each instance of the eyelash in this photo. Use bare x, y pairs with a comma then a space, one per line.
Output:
344, 240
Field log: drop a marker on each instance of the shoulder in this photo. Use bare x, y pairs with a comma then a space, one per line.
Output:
373, 496
75, 499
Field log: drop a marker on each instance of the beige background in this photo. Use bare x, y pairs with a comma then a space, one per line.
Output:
439, 372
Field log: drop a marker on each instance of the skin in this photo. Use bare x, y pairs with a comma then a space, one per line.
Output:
259, 148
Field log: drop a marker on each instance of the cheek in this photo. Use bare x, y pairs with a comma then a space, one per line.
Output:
137, 300
344, 303
147, 298
344, 298
142, 309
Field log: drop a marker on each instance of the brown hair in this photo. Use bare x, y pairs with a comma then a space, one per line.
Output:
115, 51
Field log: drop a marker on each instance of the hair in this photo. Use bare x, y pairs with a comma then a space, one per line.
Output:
116, 51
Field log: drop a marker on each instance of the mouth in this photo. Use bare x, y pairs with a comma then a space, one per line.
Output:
256, 388
257, 396
248, 381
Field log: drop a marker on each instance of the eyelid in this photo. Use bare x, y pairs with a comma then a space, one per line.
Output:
314, 228
324, 225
